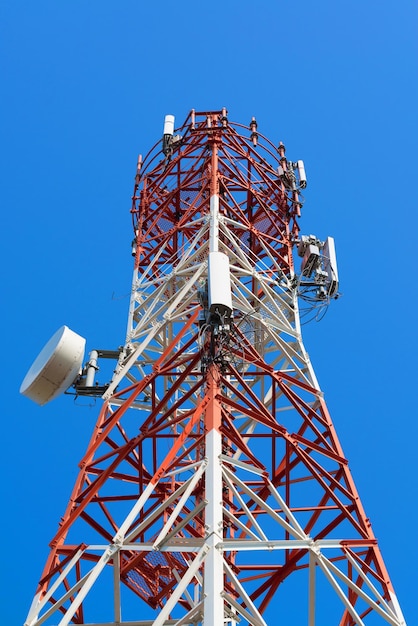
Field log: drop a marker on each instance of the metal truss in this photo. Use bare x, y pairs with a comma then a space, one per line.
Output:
214, 489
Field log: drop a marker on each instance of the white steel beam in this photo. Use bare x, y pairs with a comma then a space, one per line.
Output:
213, 577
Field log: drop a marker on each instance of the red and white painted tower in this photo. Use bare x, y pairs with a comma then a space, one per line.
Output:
214, 489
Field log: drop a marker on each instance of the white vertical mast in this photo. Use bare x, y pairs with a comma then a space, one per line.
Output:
213, 576
214, 202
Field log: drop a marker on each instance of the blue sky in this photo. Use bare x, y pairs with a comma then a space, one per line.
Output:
85, 87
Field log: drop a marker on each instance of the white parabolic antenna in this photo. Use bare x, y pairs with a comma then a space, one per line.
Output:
55, 368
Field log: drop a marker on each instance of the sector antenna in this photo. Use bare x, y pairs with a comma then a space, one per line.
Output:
214, 489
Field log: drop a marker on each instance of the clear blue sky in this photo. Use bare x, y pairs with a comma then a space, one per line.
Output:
85, 87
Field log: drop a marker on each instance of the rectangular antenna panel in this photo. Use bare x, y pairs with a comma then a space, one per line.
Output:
330, 266
219, 284
310, 259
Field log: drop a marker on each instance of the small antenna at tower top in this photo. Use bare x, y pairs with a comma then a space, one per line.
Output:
168, 133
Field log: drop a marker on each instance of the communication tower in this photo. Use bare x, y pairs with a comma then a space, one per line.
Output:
214, 489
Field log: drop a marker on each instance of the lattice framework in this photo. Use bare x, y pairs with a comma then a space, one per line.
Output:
214, 475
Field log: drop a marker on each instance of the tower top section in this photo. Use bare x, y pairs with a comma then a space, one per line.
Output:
208, 161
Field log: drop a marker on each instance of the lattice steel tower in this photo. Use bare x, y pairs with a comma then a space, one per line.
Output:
214, 489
